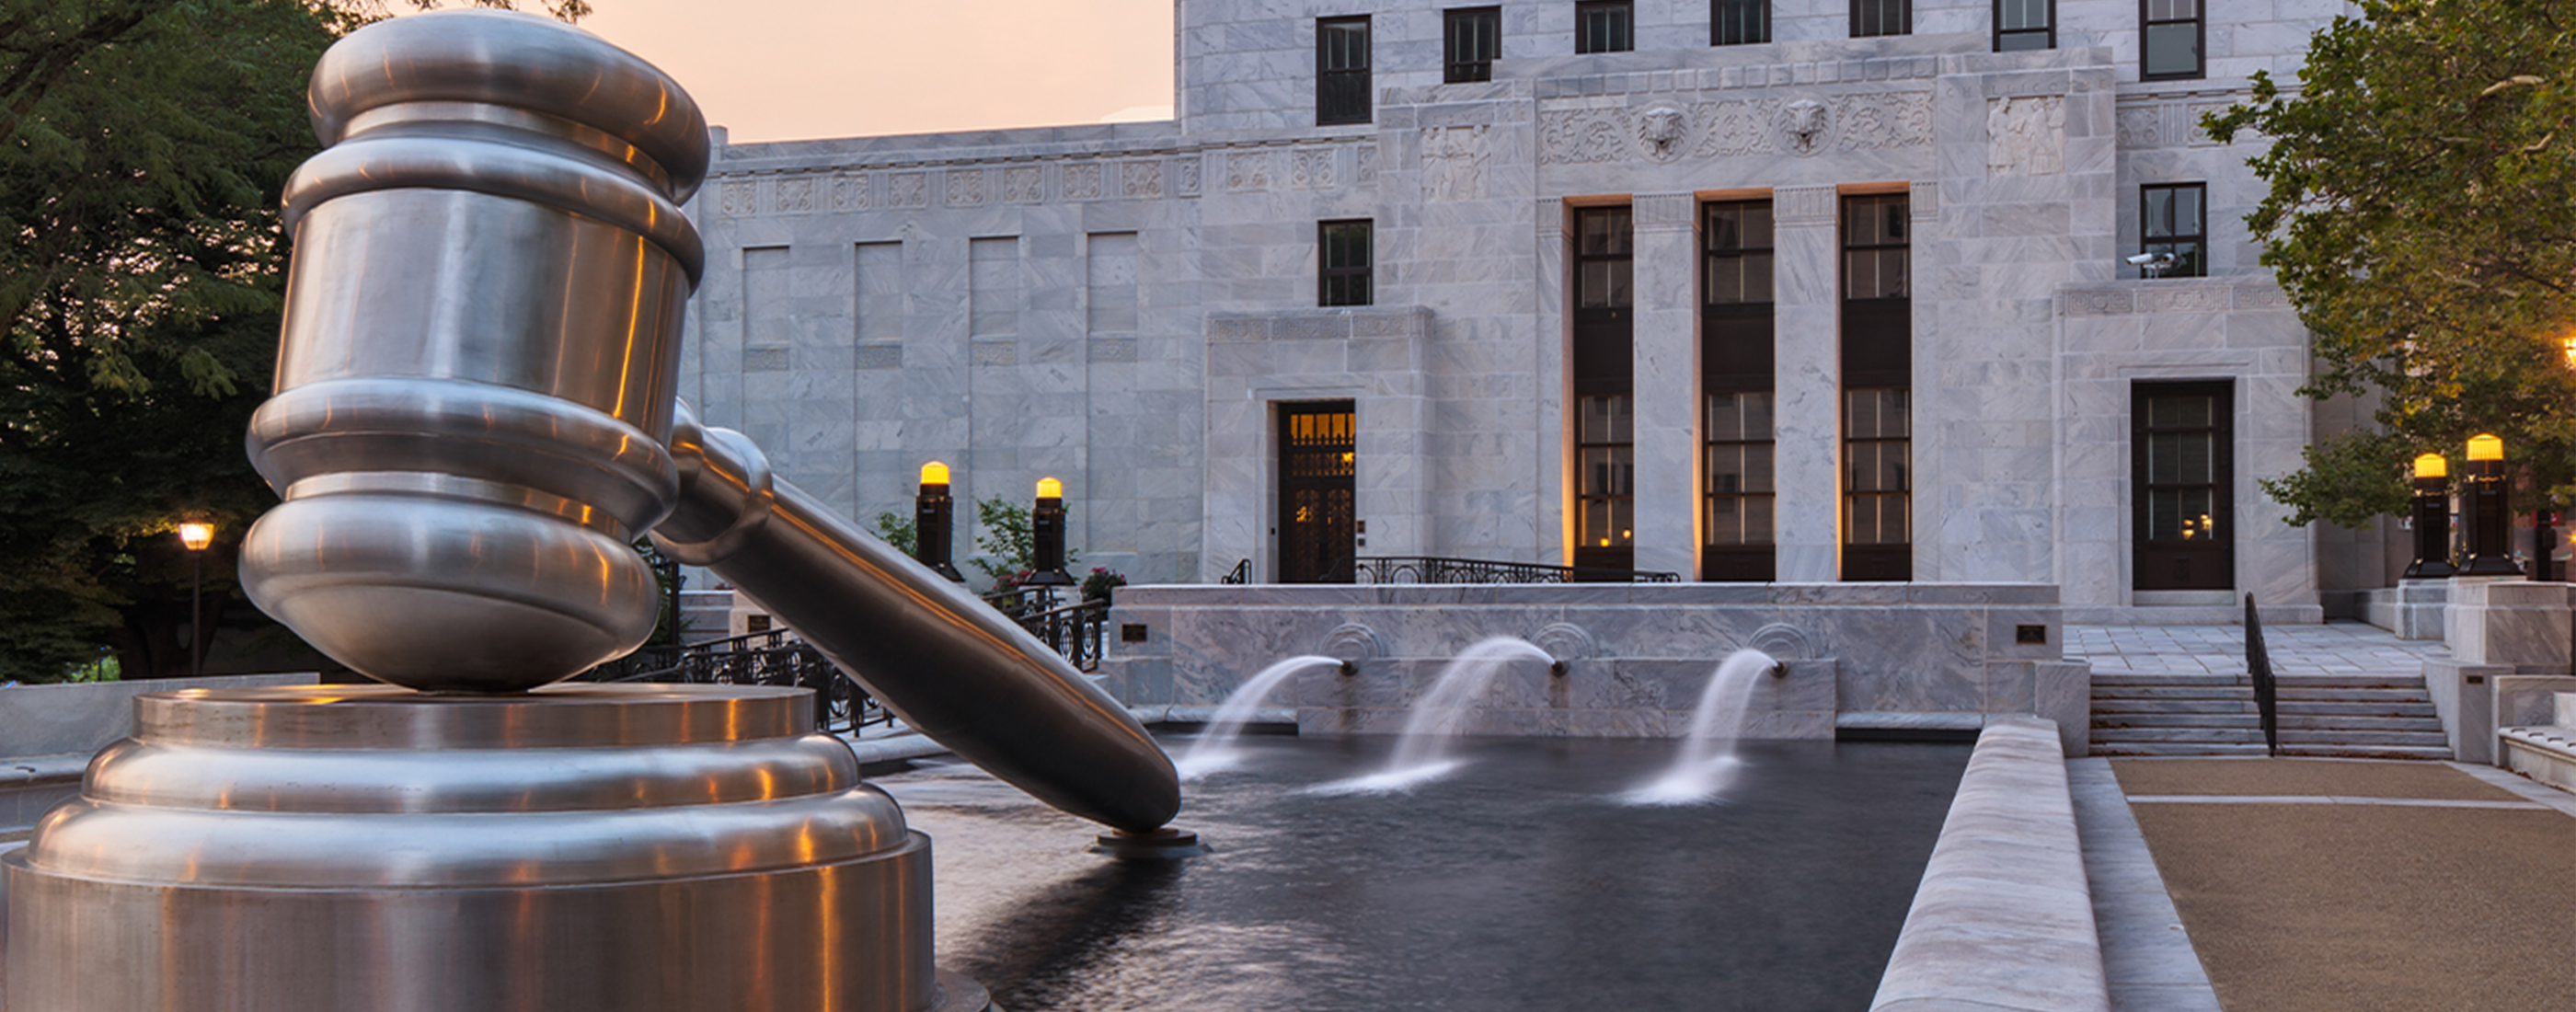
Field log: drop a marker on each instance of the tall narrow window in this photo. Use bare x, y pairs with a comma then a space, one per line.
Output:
1345, 261
2170, 42
1604, 381
1878, 380
2182, 440
1341, 70
1736, 384
1881, 17
1605, 26
1739, 22
2025, 24
2173, 222
1473, 38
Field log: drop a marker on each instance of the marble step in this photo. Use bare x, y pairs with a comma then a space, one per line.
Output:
2346, 680
2286, 693
2289, 736
2172, 749
2289, 721
2245, 704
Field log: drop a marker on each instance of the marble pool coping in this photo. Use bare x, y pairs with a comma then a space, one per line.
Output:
2004, 917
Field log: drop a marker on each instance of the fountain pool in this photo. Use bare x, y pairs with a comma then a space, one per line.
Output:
1519, 882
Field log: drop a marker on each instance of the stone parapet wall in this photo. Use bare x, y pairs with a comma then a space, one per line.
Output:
1634, 656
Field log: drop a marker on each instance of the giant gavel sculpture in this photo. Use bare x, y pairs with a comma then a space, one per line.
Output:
473, 417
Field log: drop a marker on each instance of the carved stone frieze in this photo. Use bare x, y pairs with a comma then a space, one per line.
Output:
1739, 127
2261, 296
1803, 205
1023, 184
1311, 168
1806, 126
1584, 136
2026, 136
1082, 181
1453, 162
2095, 302
1896, 120
740, 198
2166, 297
1366, 159
908, 189
2141, 127
965, 187
1185, 175
850, 192
1247, 170
1659, 132
796, 195
1140, 179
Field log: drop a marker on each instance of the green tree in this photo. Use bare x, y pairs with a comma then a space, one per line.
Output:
143, 144
2419, 217
1009, 540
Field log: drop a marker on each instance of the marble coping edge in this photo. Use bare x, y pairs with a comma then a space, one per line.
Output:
2004, 917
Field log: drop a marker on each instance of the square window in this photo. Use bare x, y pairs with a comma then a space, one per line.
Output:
1739, 22
1341, 71
1346, 274
1605, 26
1881, 17
1472, 38
2025, 24
2170, 40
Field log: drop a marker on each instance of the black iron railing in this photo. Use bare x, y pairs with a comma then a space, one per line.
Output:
2258, 669
1241, 573
841, 705
1074, 630
1430, 569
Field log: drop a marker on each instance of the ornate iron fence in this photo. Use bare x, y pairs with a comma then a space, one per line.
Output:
841, 705
1431, 569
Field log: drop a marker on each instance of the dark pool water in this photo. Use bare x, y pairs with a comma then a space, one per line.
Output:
1520, 883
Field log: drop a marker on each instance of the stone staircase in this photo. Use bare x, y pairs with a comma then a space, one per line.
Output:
2365, 716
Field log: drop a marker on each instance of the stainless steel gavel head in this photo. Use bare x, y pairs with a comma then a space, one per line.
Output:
481, 342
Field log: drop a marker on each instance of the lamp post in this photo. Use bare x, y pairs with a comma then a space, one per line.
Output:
933, 520
196, 536
1046, 532
2432, 519
2489, 519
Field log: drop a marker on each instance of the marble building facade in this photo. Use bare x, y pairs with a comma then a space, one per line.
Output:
1125, 306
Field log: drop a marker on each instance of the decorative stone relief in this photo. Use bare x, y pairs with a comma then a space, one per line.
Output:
1140, 179
965, 187
764, 360
1803, 205
2171, 297
1583, 136
1110, 349
2191, 131
1453, 162
796, 194
1082, 181
850, 193
1660, 130
1247, 170
2261, 297
1741, 127
1784, 642
997, 353
742, 198
879, 356
1923, 201
1658, 211
1366, 174
1805, 125
2095, 302
1566, 641
1185, 175
2026, 136
1897, 120
1024, 184
1351, 641
2142, 127
908, 189
1311, 168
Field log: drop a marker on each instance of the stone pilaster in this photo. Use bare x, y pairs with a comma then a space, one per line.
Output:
1808, 371
1667, 385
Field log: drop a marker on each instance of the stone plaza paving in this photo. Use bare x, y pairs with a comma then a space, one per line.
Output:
2328, 649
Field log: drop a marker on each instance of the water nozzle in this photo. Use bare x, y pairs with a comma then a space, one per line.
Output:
1348, 669
1779, 669
1556, 668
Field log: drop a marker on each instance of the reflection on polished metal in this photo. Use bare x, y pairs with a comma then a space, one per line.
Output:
1165, 844
951, 666
609, 848
479, 352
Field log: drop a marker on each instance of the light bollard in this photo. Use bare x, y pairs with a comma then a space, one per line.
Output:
933, 522
2432, 520
1046, 536
2489, 517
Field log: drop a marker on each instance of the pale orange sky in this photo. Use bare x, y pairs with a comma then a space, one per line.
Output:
793, 69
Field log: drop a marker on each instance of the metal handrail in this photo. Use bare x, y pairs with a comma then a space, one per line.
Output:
1240, 574
2258, 668
1434, 569
841, 704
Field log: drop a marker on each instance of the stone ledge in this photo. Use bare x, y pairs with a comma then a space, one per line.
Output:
2546, 754
2004, 918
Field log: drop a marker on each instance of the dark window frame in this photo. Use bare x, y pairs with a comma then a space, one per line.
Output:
1617, 35
1344, 283
1737, 313
1462, 31
1318, 453
1739, 22
2047, 32
1602, 365
1343, 92
2199, 20
1875, 14
2173, 240
1877, 356
2165, 565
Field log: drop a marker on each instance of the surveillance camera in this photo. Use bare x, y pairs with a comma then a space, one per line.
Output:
2144, 259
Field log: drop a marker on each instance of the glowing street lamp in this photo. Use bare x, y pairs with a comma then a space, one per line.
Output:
2432, 519
2487, 517
934, 522
1046, 531
196, 537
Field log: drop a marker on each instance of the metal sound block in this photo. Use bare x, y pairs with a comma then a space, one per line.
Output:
585, 847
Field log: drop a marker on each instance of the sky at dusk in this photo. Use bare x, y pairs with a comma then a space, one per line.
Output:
793, 69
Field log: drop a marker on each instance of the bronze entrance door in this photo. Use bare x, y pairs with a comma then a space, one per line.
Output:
1317, 535
2181, 436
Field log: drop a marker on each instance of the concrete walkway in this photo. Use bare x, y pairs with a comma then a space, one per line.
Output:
2329, 649
2351, 886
